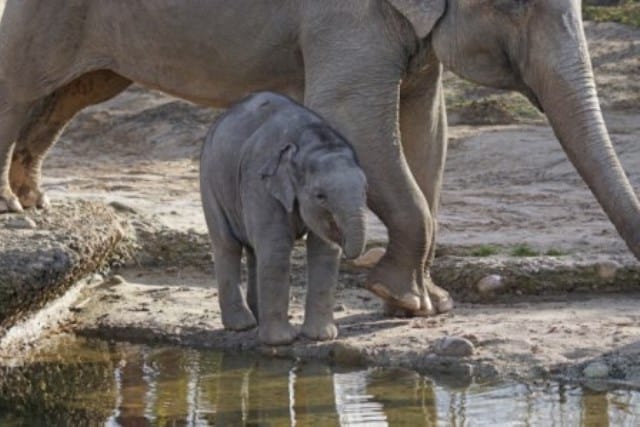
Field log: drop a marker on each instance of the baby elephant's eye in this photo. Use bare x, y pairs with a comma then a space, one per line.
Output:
321, 197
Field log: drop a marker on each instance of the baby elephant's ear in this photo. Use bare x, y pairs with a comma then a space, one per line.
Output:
278, 177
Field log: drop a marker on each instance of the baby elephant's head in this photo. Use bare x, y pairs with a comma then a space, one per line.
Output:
328, 185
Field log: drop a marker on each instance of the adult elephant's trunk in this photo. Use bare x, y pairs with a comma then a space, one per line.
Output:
566, 91
354, 233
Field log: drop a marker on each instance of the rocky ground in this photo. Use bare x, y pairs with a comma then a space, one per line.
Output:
524, 247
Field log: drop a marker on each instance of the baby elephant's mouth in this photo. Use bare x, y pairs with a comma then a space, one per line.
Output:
335, 234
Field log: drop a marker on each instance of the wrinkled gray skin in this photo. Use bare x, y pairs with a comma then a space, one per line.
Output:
371, 68
271, 171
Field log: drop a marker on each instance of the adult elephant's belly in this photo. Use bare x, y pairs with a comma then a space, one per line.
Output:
209, 81
213, 57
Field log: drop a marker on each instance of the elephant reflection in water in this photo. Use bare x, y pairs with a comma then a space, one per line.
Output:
153, 386
283, 392
169, 387
231, 390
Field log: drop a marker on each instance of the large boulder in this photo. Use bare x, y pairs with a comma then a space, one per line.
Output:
43, 253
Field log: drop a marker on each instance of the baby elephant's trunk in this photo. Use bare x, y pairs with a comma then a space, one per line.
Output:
354, 231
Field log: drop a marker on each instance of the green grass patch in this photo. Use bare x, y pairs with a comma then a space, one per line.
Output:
627, 13
554, 252
484, 251
523, 250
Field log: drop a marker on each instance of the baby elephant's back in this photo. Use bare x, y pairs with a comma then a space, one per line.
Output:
268, 113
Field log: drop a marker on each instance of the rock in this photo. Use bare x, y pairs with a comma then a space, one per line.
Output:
453, 347
346, 354
21, 223
96, 278
490, 284
73, 240
115, 280
121, 207
607, 269
596, 369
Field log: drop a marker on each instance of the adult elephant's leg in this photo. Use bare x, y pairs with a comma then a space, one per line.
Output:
360, 98
46, 120
12, 117
423, 126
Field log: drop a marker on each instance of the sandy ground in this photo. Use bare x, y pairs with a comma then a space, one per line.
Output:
504, 185
526, 338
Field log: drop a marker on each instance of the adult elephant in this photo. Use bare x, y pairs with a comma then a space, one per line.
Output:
372, 68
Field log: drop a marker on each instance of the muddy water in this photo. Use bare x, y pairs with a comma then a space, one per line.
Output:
80, 382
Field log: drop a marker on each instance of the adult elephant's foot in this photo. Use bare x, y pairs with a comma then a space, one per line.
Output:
8, 201
396, 286
24, 177
33, 197
440, 299
370, 258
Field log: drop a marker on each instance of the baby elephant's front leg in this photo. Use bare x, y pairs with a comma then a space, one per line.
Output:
322, 268
273, 294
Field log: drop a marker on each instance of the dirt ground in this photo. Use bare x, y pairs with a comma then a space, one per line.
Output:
507, 185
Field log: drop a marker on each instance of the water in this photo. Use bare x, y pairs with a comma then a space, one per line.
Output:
83, 383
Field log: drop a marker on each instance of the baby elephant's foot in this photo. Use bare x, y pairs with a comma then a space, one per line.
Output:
320, 331
277, 333
238, 318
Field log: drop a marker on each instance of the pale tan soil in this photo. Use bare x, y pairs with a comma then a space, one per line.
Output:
504, 185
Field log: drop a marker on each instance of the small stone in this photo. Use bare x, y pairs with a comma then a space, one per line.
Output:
339, 307
21, 223
453, 347
607, 270
490, 284
596, 370
121, 207
96, 278
114, 280
473, 338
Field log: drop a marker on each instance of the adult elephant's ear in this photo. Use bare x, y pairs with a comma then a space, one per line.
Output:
423, 14
278, 177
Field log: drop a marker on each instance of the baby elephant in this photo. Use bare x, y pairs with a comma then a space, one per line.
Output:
272, 171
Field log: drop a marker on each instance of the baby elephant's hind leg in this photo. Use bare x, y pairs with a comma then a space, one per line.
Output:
46, 120
236, 315
252, 282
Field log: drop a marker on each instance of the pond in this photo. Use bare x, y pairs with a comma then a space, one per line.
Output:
93, 382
